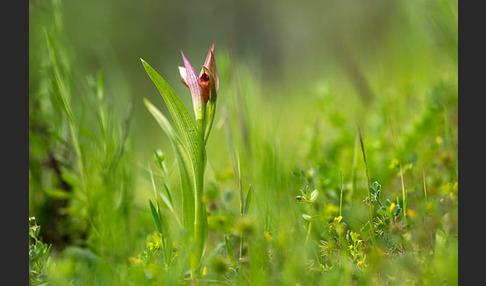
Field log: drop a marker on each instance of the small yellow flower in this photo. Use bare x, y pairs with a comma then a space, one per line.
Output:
151, 246
379, 251
205, 271
268, 237
393, 164
338, 219
455, 186
438, 140
392, 206
410, 213
204, 199
134, 261
330, 211
407, 235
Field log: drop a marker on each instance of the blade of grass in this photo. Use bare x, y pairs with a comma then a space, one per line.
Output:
425, 185
370, 213
168, 202
341, 196
248, 199
230, 253
156, 216
404, 194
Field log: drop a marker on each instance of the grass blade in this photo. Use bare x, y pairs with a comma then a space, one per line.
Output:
230, 252
248, 200
156, 216
368, 185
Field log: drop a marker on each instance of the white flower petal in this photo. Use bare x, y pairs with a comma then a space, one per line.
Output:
182, 71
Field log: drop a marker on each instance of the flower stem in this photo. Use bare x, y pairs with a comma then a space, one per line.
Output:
308, 234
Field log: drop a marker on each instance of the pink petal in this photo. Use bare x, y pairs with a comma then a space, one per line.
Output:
192, 80
210, 64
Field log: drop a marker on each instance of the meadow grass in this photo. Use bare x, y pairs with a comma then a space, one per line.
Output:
303, 184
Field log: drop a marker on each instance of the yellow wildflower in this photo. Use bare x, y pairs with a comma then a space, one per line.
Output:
407, 235
338, 219
438, 140
134, 261
379, 251
392, 206
268, 237
151, 246
204, 199
410, 213
205, 271
393, 164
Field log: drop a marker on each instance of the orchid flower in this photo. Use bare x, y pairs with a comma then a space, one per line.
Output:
190, 146
204, 89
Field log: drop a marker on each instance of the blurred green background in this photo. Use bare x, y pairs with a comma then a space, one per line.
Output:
292, 49
291, 72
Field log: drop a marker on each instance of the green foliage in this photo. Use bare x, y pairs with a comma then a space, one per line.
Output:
292, 190
38, 256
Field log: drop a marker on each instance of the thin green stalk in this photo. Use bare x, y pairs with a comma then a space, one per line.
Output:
341, 196
370, 211
240, 277
425, 185
235, 161
355, 160
309, 230
200, 230
404, 194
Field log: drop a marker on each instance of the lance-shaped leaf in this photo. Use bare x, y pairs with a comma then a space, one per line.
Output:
183, 163
156, 216
230, 252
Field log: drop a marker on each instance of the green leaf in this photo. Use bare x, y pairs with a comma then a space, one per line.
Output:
397, 210
168, 194
156, 216
307, 217
229, 250
248, 199
183, 163
375, 191
72, 180
313, 196
58, 193
168, 202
